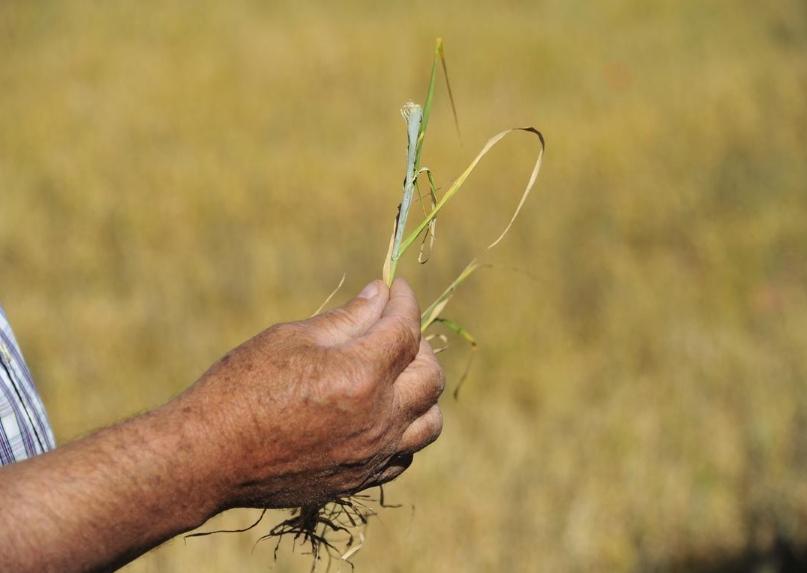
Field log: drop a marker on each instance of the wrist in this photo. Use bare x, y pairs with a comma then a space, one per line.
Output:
191, 455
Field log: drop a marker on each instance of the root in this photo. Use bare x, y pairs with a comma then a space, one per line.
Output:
334, 530
330, 531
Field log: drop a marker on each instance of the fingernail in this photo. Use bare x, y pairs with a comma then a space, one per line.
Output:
370, 291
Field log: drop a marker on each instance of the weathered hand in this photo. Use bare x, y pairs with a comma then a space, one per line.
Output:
325, 407
302, 413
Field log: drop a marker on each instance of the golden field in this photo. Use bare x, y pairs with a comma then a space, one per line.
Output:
175, 177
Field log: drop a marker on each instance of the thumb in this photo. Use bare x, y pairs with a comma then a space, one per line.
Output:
352, 319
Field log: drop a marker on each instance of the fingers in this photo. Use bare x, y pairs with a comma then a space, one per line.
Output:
422, 432
393, 342
395, 467
420, 385
355, 318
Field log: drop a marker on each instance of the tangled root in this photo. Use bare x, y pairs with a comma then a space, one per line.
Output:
332, 530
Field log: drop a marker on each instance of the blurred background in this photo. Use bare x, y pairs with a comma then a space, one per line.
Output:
174, 177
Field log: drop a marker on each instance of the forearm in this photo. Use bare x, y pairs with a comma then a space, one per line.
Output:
103, 500
301, 413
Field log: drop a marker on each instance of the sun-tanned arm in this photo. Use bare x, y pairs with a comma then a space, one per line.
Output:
301, 413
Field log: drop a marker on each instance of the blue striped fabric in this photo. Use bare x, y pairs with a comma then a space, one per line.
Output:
24, 427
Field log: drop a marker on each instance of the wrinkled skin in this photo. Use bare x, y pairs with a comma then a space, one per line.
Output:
325, 407
302, 413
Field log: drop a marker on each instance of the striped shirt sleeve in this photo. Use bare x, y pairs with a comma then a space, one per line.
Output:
24, 428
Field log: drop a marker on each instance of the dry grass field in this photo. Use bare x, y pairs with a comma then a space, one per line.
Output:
176, 176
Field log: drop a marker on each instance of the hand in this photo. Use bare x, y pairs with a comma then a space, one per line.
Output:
325, 407
302, 413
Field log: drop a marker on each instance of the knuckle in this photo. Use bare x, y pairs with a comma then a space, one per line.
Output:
342, 318
435, 424
437, 375
441, 382
350, 380
279, 329
361, 391
407, 339
355, 386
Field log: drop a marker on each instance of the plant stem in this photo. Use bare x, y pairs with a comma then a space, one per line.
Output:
413, 114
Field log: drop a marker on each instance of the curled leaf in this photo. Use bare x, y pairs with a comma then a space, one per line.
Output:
459, 181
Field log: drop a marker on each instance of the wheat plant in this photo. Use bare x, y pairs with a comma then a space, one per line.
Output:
335, 530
